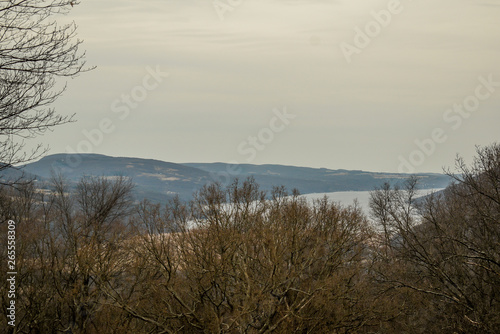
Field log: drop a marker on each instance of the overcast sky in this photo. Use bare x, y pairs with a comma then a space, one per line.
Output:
318, 83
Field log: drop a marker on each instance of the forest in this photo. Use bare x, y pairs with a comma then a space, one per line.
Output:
240, 260
90, 259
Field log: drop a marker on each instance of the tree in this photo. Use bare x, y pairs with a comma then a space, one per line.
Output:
34, 52
251, 266
67, 242
448, 250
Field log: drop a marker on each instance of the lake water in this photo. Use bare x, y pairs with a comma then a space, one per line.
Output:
363, 197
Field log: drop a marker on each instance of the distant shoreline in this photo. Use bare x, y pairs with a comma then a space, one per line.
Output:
347, 197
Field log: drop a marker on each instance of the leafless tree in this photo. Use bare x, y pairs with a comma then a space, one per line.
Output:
236, 262
449, 250
34, 52
69, 241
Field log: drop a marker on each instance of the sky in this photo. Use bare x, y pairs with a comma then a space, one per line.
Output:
377, 85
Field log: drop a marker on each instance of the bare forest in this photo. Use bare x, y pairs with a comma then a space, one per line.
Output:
238, 260
90, 259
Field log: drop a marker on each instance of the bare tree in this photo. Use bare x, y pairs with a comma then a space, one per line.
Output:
236, 262
69, 242
34, 52
449, 250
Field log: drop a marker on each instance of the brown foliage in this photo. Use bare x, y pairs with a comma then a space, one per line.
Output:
252, 266
237, 260
449, 251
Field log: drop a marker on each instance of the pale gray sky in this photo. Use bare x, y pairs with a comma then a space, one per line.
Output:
231, 72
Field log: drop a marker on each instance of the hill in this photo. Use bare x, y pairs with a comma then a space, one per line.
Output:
154, 179
160, 180
318, 180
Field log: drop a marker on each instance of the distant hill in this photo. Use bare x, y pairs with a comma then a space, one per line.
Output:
154, 179
13, 174
159, 180
318, 180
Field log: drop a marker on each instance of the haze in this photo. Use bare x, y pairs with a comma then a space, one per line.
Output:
231, 72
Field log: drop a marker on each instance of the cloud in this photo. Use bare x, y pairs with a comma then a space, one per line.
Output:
272, 53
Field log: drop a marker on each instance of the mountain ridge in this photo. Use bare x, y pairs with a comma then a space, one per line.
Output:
160, 180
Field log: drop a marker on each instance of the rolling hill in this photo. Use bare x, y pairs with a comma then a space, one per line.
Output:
159, 180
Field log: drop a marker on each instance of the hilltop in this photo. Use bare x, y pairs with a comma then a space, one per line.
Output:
160, 180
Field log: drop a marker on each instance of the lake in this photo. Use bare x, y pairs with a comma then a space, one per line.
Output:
363, 197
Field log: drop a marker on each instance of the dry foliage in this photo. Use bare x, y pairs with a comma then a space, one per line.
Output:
238, 260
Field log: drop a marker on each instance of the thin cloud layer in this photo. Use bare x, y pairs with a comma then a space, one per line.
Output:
227, 76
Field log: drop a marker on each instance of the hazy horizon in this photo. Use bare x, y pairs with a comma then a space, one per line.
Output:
220, 162
386, 86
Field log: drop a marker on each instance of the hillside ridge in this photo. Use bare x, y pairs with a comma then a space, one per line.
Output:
159, 180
